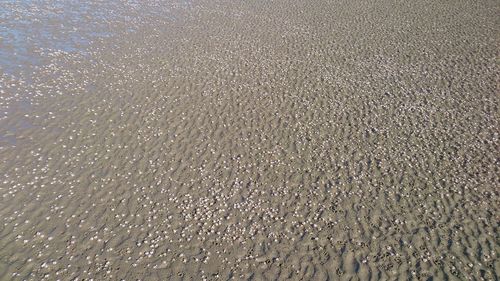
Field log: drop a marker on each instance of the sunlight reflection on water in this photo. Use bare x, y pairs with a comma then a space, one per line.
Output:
28, 27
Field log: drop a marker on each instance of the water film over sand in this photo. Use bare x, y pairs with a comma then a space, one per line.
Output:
257, 140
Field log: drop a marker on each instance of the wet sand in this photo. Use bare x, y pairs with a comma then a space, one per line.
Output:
273, 140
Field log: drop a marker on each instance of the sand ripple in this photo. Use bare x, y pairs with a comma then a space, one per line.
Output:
272, 140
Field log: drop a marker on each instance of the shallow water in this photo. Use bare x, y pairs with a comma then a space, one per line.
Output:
29, 27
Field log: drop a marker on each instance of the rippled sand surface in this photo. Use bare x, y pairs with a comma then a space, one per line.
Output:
260, 140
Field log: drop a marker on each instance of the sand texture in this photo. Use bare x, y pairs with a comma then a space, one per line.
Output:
261, 140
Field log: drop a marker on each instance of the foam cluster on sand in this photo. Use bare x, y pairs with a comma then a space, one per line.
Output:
268, 140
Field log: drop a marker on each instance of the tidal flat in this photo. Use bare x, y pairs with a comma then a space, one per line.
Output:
250, 140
